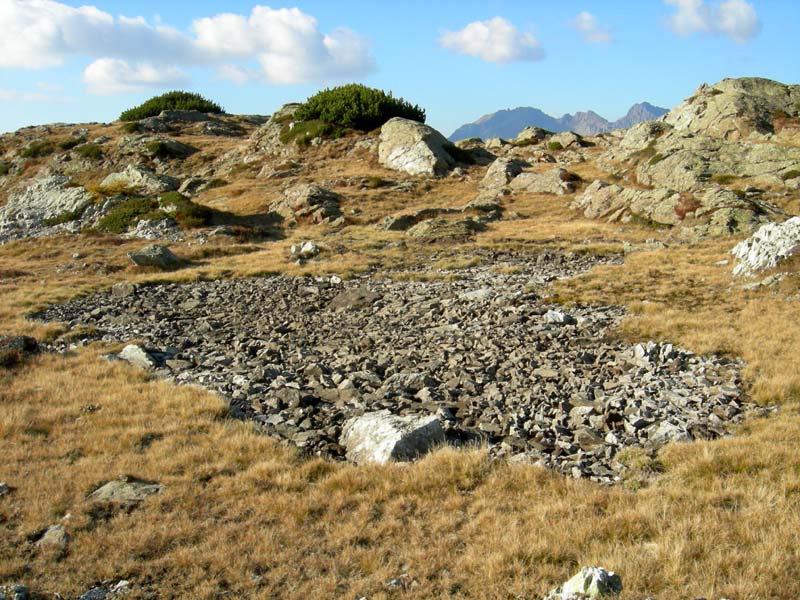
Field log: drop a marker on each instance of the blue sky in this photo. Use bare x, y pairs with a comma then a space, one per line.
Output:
66, 61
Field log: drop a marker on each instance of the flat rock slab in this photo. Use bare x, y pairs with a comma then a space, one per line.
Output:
126, 493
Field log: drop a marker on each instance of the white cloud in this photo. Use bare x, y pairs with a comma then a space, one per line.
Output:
591, 30
41, 96
734, 18
287, 43
495, 40
116, 76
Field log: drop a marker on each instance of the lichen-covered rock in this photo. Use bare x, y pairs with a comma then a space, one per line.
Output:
589, 584
553, 181
735, 109
308, 201
767, 247
126, 492
156, 256
140, 180
43, 203
379, 437
501, 172
413, 148
138, 356
54, 536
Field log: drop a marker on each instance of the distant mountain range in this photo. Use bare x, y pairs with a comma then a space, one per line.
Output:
508, 123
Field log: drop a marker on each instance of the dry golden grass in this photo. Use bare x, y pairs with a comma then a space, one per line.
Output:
243, 515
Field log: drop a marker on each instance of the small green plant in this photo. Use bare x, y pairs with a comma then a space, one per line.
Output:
184, 211
70, 143
373, 182
66, 217
555, 146
793, 174
356, 106
129, 212
130, 127
656, 158
723, 178
304, 131
90, 151
175, 100
37, 149
4, 169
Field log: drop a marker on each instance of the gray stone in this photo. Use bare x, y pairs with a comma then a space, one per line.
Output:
379, 437
126, 493
156, 256
413, 148
553, 181
54, 537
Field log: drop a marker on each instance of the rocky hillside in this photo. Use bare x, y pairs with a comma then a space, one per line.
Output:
510, 122
220, 333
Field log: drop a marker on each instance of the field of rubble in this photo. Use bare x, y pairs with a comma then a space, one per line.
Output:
237, 361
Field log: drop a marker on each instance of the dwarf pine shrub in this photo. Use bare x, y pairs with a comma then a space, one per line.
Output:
356, 106
175, 100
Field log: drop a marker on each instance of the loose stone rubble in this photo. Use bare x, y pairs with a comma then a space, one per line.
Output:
482, 352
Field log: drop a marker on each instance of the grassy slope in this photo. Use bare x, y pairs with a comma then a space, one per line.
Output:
242, 513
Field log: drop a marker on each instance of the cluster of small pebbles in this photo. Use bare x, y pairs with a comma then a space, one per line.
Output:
478, 347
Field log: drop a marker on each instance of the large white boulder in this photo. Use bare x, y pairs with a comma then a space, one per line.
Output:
768, 246
379, 437
413, 148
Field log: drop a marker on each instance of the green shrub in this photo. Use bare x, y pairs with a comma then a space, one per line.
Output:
356, 106
129, 212
70, 143
37, 149
90, 151
555, 146
794, 173
184, 211
657, 158
4, 169
175, 100
132, 127
66, 217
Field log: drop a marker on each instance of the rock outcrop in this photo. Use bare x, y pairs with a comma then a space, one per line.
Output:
553, 181
767, 247
413, 148
738, 109
45, 203
379, 437
308, 201
125, 493
140, 180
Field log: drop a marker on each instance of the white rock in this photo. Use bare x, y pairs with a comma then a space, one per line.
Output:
137, 356
139, 179
414, 148
590, 583
767, 247
559, 318
379, 437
